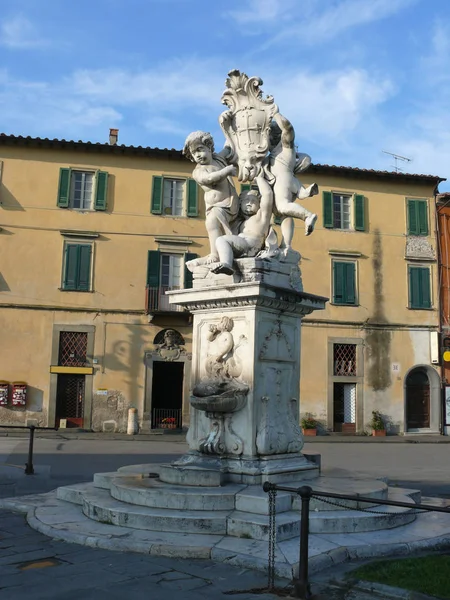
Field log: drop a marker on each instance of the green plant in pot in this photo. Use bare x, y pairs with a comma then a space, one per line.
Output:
377, 424
309, 424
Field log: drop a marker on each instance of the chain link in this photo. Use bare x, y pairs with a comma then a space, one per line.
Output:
272, 539
366, 510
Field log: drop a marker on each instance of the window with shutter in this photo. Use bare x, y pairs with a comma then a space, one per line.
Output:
77, 267
419, 285
82, 190
344, 283
417, 217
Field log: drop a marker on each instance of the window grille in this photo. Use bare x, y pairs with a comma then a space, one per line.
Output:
344, 360
72, 348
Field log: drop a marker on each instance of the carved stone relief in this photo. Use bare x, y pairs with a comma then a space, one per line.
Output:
419, 247
169, 345
277, 344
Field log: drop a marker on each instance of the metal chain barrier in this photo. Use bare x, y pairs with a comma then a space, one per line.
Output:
272, 539
365, 510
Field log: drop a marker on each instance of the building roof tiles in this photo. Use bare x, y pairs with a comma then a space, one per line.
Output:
13, 140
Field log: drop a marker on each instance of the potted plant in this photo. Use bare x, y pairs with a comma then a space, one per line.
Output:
377, 424
309, 425
169, 423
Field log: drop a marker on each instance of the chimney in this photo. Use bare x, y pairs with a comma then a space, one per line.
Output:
113, 137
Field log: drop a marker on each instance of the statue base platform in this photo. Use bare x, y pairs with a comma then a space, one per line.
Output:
199, 470
134, 510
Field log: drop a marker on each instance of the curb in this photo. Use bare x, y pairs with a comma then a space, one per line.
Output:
389, 591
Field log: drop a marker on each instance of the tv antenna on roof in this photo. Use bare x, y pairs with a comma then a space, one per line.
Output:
397, 157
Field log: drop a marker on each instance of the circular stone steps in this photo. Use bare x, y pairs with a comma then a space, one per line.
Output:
100, 506
156, 494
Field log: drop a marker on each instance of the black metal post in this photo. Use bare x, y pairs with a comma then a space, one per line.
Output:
29, 469
301, 585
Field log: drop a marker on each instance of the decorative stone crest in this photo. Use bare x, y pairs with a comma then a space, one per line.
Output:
246, 123
168, 345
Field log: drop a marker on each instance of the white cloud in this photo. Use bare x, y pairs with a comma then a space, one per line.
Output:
256, 12
19, 33
310, 22
435, 64
329, 104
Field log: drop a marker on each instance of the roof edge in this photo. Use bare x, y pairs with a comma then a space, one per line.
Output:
28, 141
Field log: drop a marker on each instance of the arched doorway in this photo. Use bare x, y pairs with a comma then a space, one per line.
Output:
418, 396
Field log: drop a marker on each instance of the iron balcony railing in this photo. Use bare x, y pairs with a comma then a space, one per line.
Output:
156, 300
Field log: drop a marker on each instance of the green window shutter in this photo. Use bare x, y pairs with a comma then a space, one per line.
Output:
101, 190
192, 202
63, 188
349, 279
328, 210
153, 268
187, 273
359, 212
157, 188
84, 267
422, 214
413, 224
419, 287
338, 283
245, 187
70, 267
344, 289
426, 288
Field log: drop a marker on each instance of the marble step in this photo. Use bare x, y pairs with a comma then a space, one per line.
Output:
156, 494
250, 525
100, 506
257, 527
368, 488
356, 521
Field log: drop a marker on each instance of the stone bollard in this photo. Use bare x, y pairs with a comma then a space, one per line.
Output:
132, 428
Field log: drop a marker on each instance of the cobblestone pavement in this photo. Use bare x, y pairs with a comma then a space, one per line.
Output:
35, 566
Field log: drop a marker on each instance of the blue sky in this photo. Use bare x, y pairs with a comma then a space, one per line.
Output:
354, 76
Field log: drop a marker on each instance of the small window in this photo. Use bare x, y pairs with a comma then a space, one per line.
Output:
82, 190
344, 360
417, 217
343, 211
344, 283
419, 287
77, 267
173, 197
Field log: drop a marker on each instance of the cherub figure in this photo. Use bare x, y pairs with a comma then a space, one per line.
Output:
283, 163
250, 230
213, 174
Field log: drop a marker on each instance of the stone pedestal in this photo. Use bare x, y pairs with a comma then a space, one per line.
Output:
245, 379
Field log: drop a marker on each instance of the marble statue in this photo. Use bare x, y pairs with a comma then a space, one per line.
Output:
260, 148
213, 174
283, 164
251, 229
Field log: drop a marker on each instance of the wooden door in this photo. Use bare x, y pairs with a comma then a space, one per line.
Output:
417, 400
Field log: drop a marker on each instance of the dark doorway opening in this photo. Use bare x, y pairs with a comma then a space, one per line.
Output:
417, 400
70, 400
167, 394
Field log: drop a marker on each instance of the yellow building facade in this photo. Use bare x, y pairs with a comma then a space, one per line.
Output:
92, 235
